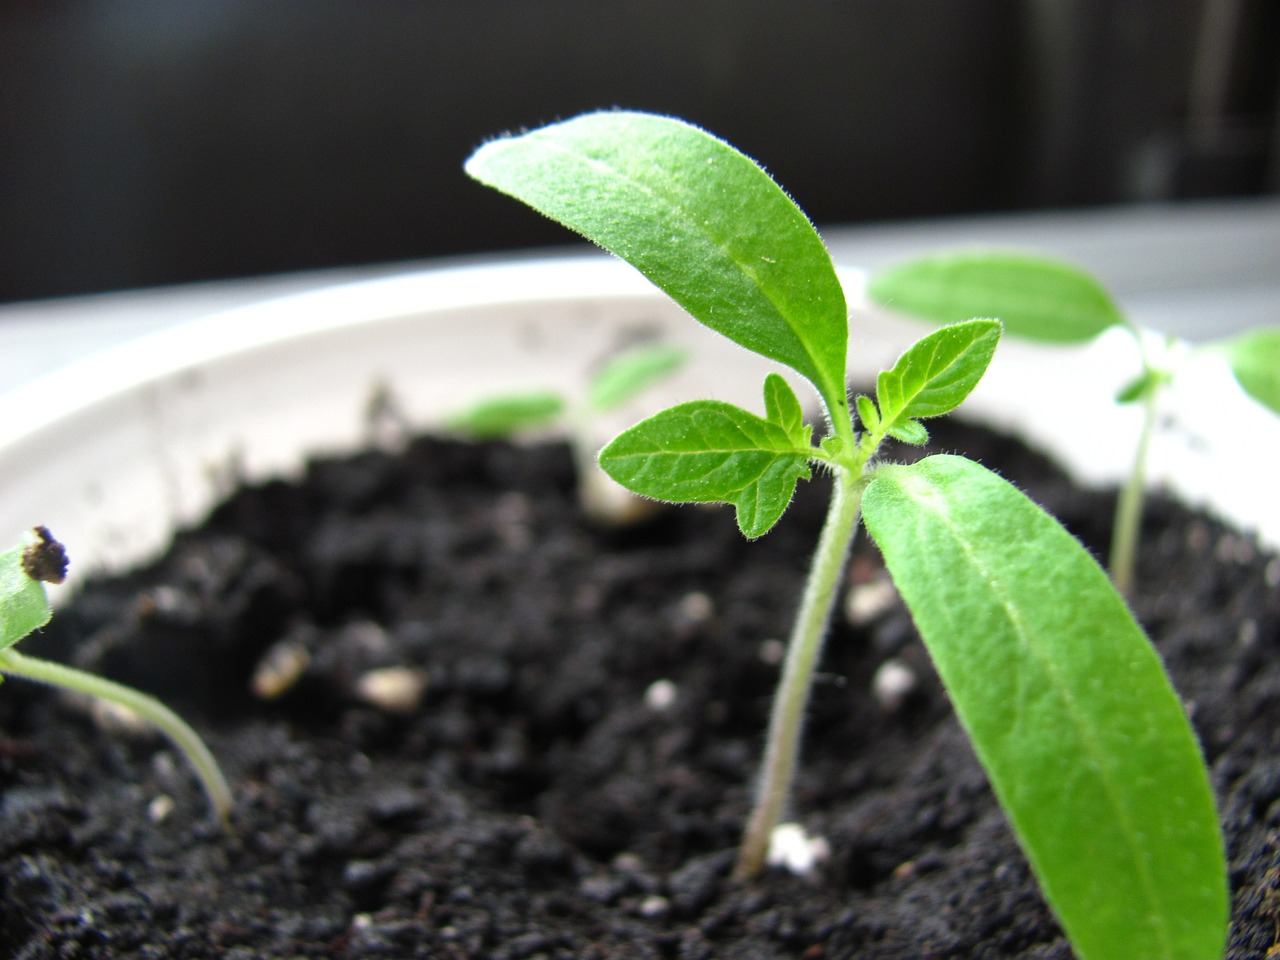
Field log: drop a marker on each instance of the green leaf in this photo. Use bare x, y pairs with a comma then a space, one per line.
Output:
1068, 707
781, 406
632, 372
698, 218
507, 415
708, 451
910, 431
936, 373
868, 415
1254, 358
23, 604
1036, 298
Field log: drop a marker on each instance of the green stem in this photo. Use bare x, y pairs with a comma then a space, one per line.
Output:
1126, 527
787, 720
148, 707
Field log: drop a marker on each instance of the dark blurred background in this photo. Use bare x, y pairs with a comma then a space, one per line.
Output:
158, 141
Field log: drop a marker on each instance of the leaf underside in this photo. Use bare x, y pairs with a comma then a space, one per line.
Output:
1067, 705
700, 219
1035, 297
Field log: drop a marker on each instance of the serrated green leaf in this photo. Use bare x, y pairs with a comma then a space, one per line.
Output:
782, 406
910, 431
1035, 297
633, 371
936, 373
1254, 358
1068, 707
708, 451
507, 415
24, 607
698, 218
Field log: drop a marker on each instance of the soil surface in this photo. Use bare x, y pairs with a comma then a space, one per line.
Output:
462, 722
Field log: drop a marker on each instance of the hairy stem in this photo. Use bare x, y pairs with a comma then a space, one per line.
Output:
148, 707
1128, 518
803, 649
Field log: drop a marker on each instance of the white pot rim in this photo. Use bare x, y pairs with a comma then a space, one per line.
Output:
114, 451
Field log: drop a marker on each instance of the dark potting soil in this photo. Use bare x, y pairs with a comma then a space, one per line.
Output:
485, 728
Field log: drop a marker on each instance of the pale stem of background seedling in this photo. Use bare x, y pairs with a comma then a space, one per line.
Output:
147, 707
808, 631
1126, 527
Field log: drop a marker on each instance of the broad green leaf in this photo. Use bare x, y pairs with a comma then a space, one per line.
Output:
936, 373
708, 451
782, 406
698, 218
1036, 298
632, 372
506, 415
23, 604
1254, 358
1068, 707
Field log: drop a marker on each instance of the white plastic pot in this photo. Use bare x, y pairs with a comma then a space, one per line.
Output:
114, 453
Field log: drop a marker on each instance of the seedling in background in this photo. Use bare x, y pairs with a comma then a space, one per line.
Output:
24, 608
1049, 301
1066, 702
620, 379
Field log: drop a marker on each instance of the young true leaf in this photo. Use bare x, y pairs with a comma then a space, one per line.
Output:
781, 406
1035, 297
708, 451
912, 432
935, 375
1254, 358
1067, 705
868, 414
505, 415
632, 372
698, 218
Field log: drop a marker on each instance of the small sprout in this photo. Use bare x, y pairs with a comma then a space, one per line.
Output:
1046, 300
24, 608
623, 377
1068, 707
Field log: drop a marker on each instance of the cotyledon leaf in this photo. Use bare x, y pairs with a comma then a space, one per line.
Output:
24, 607
697, 217
1067, 705
1036, 297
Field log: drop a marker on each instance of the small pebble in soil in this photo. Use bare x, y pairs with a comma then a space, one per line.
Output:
279, 669
866, 603
772, 651
893, 682
791, 848
660, 695
396, 690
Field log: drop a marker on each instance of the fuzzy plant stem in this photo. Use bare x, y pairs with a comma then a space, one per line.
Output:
147, 707
1128, 519
803, 650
